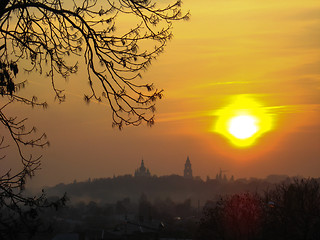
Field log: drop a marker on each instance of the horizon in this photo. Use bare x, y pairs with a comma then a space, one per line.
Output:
266, 54
226, 173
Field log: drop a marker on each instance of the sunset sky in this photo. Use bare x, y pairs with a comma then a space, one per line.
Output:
266, 51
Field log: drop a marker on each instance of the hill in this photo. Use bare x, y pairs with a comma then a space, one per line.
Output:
177, 188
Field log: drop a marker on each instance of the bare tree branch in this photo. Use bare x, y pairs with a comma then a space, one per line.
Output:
47, 32
55, 39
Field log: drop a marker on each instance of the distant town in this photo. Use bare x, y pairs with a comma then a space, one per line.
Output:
176, 187
142, 171
142, 206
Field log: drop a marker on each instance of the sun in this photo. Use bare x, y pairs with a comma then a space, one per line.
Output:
243, 121
243, 126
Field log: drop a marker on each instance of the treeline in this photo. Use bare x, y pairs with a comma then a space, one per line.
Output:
289, 211
177, 188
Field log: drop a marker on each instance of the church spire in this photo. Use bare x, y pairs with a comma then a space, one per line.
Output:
188, 169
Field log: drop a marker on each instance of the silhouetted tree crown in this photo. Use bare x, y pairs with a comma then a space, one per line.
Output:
291, 210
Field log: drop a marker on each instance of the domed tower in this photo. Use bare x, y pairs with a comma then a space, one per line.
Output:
188, 169
142, 171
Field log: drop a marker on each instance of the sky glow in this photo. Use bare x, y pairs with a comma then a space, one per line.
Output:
233, 58
243, 121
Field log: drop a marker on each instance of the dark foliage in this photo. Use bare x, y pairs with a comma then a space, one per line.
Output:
234, 217
293, 211
289, 211
20, 217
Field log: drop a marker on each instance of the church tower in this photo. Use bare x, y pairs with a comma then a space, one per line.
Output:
188, 169
142, 171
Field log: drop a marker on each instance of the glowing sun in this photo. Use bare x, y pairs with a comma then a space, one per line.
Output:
243, 127
243, 121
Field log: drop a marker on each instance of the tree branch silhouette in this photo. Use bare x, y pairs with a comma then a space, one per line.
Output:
46, 33
54, 39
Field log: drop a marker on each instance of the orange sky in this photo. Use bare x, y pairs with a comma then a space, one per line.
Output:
269, 50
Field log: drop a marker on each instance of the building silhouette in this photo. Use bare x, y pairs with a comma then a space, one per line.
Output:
188, 169
142, 171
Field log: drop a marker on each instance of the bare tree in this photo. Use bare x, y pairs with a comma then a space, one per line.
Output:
54, 39
293, 210
290, 210
46, 32
232, 217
